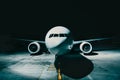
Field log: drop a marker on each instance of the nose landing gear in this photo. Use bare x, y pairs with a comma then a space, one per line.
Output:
59, 74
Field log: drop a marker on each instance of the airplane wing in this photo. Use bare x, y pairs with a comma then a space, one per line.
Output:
43, 42
83, 42
85, 45
88, 40
35, 46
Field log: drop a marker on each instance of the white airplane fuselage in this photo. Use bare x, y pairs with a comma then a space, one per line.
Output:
58, 40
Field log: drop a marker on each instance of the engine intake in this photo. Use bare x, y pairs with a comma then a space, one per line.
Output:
86, 47
34, 47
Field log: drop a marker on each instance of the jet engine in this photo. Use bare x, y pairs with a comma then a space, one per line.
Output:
86, 47
34, 47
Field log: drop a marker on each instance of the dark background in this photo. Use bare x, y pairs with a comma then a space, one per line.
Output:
32, 20
84, 19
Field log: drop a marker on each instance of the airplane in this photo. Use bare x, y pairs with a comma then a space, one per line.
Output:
59, 41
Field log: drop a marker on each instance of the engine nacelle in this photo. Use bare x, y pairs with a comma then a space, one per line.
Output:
86, 47
34, 47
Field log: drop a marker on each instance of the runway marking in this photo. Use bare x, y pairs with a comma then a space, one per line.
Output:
51, 68
89, 77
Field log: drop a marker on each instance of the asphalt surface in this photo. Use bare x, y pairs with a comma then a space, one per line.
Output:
22, 66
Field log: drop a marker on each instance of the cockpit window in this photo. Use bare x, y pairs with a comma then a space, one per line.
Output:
51, 35
55, 35
62, 35
59, 35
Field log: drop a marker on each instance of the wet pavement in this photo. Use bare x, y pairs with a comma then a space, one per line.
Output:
22, 66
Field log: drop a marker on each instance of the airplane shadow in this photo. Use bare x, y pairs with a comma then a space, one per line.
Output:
40, 53
74, 65
91, 54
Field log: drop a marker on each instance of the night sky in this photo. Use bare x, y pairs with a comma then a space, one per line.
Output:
33, 19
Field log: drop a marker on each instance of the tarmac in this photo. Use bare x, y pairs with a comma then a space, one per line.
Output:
22, 66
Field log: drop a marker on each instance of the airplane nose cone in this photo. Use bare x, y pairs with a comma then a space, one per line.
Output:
54, 42
58, 39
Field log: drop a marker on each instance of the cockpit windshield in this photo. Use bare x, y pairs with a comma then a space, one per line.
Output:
55, 35
58, 35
